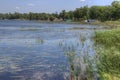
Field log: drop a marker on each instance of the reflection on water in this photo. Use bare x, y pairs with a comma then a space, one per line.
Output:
42, 51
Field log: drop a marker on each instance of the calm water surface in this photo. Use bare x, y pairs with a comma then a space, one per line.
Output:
30, 50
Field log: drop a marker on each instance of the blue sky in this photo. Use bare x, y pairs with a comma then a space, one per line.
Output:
50, 6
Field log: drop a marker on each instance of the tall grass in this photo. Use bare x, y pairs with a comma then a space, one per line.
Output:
103, 64
80, 55
108, 51
109, 38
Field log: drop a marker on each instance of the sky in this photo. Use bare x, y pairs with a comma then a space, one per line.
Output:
47, 6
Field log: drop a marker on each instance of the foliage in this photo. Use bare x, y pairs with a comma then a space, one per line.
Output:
102, 13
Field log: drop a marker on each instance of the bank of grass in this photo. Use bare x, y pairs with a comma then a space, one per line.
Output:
105, 24
108, 50
108, 38
108, 24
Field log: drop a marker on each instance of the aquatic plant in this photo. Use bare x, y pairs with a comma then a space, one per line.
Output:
39, 41
81, 57
29, 29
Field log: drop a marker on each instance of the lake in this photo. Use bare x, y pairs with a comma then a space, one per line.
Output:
31, 50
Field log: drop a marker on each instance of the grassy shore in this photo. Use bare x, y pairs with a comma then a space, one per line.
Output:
108, 24
105, 24
108, 50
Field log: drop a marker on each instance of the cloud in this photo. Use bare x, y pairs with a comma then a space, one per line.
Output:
82, 0
30, 4
18, 8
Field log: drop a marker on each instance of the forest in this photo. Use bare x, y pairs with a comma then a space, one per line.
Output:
101, 13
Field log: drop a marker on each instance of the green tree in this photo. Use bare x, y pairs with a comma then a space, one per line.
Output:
116, 11
62, 14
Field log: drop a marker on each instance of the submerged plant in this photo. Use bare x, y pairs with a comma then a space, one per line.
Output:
39, 41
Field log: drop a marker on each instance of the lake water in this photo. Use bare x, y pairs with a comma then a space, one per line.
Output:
30, 50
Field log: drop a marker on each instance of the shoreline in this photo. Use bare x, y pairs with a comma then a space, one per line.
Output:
105, 25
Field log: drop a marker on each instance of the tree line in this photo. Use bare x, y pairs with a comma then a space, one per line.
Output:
101, 13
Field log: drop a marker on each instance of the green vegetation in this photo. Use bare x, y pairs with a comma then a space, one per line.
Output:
107, 58
101, 13
107, 24
81, 63
109, 38
29, 29
108, 51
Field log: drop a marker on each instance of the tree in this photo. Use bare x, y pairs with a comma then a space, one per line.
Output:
62, 14
116, 4
116, 12
71, 15
101, 13
52, 18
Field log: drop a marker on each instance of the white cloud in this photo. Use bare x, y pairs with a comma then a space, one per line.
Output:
82, 0
18, 8
30, 4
